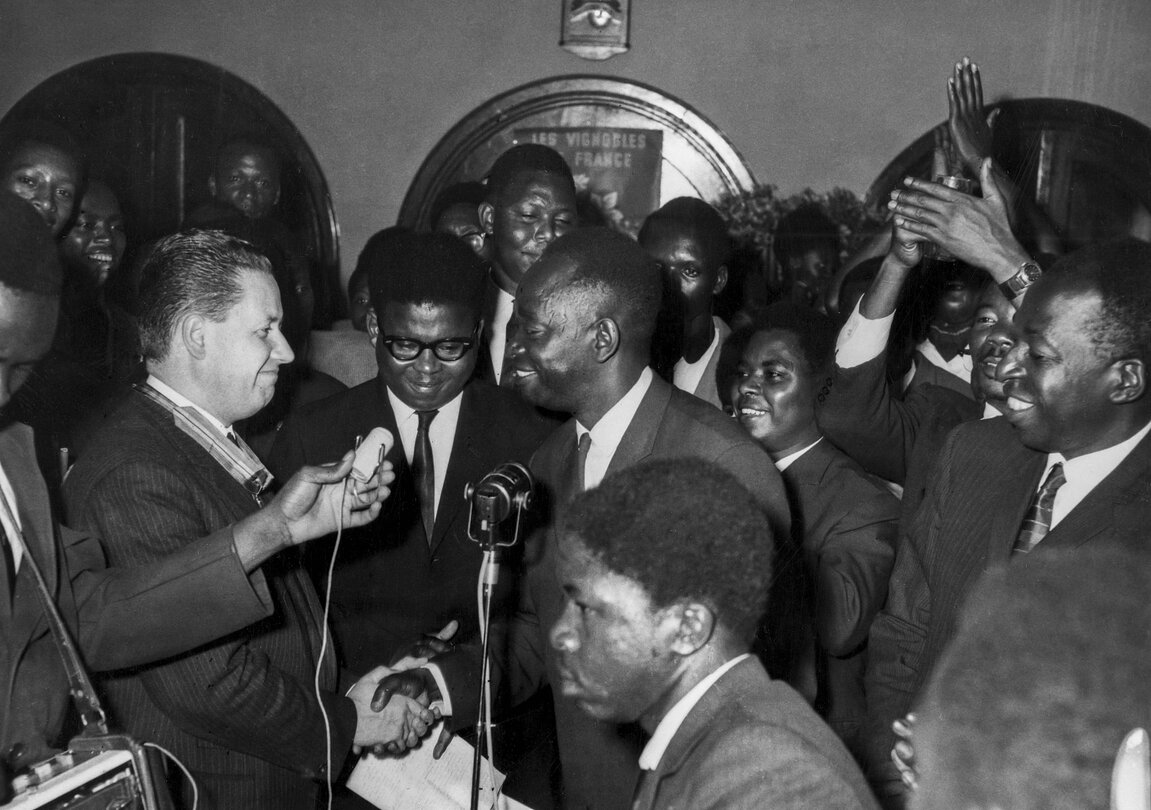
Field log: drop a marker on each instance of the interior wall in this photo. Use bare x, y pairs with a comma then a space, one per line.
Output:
814, 93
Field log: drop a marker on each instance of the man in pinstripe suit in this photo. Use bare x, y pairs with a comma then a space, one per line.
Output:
1070, 464
165, 470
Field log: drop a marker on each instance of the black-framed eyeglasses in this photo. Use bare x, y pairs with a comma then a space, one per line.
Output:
448, 350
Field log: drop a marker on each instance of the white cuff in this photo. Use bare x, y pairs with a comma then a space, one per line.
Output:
442, 685
861, 339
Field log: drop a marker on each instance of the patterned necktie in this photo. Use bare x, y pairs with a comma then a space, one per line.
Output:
424, 470
581, 463
1038, 520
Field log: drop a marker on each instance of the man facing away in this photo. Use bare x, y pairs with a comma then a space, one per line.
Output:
165, 470
1067, 466
664, 569
584, 320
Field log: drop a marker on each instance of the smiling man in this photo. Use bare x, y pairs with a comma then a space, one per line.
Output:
662, 599
165, 470
584, 320
1067, 466
530, 203
843, 519
415, 570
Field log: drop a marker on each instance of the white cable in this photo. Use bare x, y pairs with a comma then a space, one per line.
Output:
180, 765
324, 649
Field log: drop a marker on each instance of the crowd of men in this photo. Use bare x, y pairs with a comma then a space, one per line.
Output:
766, 565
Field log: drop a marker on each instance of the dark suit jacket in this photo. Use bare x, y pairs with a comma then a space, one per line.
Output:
241, 712
391, 586
753, 743
598, 758
119, 616
847, 524
975, 504
896, 439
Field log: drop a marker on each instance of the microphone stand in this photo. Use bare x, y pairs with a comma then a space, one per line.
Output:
487, 536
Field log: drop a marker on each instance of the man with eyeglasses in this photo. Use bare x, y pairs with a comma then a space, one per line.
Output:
415, 570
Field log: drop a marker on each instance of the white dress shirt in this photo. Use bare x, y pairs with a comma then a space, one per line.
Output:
441, 434
791, 458
959, 365
609, 430
687, 376
654, 750
499, 330
605, 438
182, 401
1085, 473
10, 528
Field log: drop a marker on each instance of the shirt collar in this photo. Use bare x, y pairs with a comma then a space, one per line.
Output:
668, 725
182, 401
1094, 467
609, 430
403, 412
791, 458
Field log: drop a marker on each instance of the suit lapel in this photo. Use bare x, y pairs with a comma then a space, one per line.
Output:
35, 512
639, 439
1015, 481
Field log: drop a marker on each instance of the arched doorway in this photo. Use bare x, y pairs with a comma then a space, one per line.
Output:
151, 123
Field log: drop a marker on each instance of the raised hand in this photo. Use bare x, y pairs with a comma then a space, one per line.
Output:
970, 126
976, 230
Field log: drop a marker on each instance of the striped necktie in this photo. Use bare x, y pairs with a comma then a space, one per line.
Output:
581, 462
1038, 521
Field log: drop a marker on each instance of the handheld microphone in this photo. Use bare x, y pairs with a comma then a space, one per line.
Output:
370, 453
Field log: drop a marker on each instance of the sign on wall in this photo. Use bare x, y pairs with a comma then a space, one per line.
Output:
618, 169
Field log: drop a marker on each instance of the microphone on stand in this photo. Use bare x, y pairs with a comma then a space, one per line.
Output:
490, 502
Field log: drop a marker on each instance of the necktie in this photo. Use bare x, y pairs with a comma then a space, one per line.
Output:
1038, 520
581, 463
9, 562
424, 470
644, 793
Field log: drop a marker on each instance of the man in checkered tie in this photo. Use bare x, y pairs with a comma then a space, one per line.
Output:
1068, 465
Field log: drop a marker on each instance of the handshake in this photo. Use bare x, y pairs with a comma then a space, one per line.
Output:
397, 705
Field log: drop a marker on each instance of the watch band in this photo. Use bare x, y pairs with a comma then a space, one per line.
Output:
1027, 274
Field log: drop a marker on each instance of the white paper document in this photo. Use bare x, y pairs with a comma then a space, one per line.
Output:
416, 780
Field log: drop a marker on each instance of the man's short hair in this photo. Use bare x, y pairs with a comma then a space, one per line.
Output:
470, 193
31, 259
19, 134
806, 228
526, 158
1046, 676
381, 252
429, 268
611, 271
1121, 273
685, 530
814, 332
194, 272
247, 143
697, 219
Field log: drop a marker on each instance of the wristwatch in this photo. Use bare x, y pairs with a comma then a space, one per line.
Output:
1027, 274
